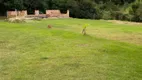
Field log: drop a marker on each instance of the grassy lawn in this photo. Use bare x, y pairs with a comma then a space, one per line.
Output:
31, 51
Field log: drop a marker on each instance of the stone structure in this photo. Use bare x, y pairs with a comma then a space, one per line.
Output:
49, 13
67, 15
11, 14
53, 13
36, 12
57, 13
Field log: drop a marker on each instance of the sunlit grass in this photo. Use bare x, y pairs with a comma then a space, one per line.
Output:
31, 51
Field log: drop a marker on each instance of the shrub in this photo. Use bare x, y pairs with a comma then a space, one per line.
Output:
117, 15
136, 11
84, 29
127, 17
16, 20
106, 15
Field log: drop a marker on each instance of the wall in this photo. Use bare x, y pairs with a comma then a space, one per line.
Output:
49, 13
56, 13
53, 13
11, 14
36, 12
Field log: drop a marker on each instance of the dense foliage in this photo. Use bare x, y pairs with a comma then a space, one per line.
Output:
91, 9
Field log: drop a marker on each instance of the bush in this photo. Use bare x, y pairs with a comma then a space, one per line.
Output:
127, 17
98, 13
106, 15
16, 20
19, 21
136, 11
117, 15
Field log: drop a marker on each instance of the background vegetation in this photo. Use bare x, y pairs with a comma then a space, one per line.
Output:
130, 10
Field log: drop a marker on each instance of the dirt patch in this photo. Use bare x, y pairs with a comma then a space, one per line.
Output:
125, 22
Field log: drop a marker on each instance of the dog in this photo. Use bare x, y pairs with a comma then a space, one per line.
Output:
49, 26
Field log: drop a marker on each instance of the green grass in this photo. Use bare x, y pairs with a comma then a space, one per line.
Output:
31, 51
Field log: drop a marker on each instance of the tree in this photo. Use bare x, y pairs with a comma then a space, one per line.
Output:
89, 9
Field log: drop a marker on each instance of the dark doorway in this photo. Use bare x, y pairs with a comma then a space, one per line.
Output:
64, 11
